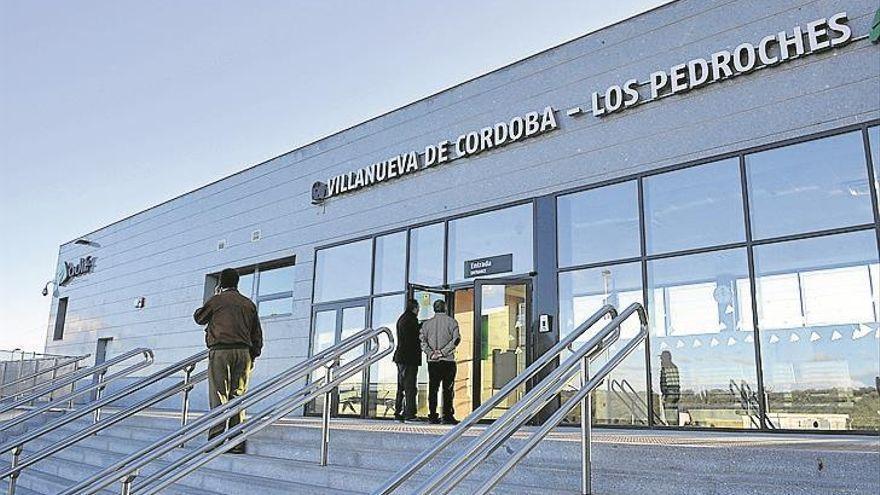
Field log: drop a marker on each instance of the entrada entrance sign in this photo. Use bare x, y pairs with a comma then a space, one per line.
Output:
746, 57
468, 144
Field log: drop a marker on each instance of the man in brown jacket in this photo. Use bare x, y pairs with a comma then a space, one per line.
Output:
235, 339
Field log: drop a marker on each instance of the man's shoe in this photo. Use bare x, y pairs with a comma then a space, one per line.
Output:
450, 421
434, 420
239, 449
411, 420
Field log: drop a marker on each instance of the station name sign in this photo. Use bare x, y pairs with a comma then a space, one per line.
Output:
771, 50
70, 271
468, 144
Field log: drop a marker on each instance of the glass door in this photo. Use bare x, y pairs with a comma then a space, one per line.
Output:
500, 337
333, 324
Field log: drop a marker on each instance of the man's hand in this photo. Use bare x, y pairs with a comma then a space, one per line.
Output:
436, 355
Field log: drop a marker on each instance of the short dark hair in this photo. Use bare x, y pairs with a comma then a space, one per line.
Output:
412, 305
440, 306
228, 278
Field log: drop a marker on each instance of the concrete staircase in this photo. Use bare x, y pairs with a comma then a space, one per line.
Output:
363, 454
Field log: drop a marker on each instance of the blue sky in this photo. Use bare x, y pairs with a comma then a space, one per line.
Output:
109, 107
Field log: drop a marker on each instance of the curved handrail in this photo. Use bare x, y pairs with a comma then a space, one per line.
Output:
126, 469
531, 371
54, 368
455, 470
189, 381
99, 371
559, 415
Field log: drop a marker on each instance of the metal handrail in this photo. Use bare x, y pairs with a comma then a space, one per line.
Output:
99, 383
748, 400
541, 394
126, 470
530, 372
189, 381
33, 376
588, 384
622, 389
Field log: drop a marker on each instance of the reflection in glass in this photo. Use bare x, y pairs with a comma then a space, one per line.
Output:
507, 231
350, 391
503, 338
598, 225
246, 285
694, 207
323, 336
426, 255
343, 272
874, 141
820, 337
819, 184
702, 342
622, 398
463, 312
390, 266
275, 307
276, 280
383, 375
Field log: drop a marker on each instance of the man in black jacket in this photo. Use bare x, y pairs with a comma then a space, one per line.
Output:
408, 357
235, 338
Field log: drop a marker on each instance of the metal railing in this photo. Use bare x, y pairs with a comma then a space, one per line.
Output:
748, 400
33, 377
126, 471
542, 393
99, 382
627, 395
185, 386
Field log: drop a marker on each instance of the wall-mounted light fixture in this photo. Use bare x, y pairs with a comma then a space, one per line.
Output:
82, 241
46, 288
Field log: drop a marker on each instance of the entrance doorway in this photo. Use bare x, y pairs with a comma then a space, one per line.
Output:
493, 317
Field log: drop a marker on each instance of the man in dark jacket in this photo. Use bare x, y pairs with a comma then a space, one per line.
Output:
235, 339
408, 357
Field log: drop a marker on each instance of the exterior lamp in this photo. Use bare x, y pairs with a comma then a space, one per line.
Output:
46, 288
82, 241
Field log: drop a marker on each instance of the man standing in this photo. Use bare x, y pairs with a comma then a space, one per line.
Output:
670, 388
439, 337
235, 339
408, 357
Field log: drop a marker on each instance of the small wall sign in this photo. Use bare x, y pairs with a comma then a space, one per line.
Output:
488, 266
70, 271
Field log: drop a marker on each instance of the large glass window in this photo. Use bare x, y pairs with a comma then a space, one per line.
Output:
820, 338
816, 185
702, 343
622, 397
383, 375
426, 255
390, 269
343, 272
695, 207
598, 225
497, 233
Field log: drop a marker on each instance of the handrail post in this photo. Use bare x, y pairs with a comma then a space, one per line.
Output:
73, 385
16, 454
325, 418
586, 430
98, 393
184, 413
127, 481
54, 376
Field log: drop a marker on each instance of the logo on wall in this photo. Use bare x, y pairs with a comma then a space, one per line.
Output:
69, 271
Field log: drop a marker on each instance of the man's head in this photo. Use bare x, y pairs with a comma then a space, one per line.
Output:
412, 306
665, 357
228, 279
440, 306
